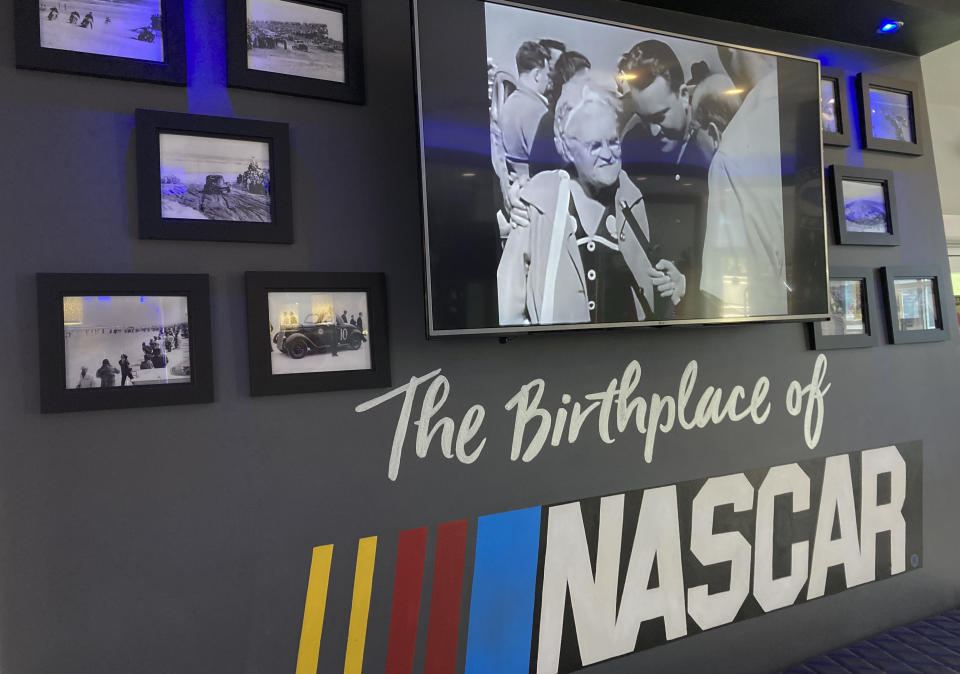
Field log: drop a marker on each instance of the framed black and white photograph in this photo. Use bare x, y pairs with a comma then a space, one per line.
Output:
213, 178
316, 331
865, 206
889, 113
300, 47
128, 39
124, 340
918, 304
626, 177
834, 108
853, 318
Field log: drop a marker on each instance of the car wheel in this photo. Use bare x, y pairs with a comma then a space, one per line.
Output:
355, 341
297, 350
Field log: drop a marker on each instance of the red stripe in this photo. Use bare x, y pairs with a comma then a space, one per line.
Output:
445, 598
407, 585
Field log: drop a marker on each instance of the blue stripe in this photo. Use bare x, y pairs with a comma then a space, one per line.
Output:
504, 591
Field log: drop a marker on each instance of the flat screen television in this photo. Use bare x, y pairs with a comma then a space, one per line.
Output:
581, 173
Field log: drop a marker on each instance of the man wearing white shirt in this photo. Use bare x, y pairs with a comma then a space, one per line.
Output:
743, 255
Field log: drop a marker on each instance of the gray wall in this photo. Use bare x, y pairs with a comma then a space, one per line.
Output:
179, 539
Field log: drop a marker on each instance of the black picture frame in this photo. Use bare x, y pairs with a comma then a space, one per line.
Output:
52, 288
264, 382
871, 337
942, 302
882, 177
838, 77
351, 90
151, 123
914, 91
33, 56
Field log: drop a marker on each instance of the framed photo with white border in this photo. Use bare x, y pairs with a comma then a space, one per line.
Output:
890, 114
123, 340
316, 331
205, 178
300, 47
141, 40
919, 304
834, 108
853, 318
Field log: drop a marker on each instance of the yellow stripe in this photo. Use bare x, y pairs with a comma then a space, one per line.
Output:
313, 610
362, 586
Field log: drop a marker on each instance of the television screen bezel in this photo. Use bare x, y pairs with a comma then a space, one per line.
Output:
512, 330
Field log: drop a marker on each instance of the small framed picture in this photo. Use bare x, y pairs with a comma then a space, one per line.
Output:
316, 331
213, 178
918, 304
124, 340
889, 110
132, 40
865, 206
853, 316
299, 47
834, 115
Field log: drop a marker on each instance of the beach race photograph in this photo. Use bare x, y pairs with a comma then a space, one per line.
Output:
121, 341
318, 332
121, 28
294, 38
214, 178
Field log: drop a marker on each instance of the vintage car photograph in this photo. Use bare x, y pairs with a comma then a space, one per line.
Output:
318, 331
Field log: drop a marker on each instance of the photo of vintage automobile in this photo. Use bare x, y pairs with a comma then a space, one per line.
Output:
312, 336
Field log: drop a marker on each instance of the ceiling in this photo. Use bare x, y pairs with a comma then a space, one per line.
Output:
928, 24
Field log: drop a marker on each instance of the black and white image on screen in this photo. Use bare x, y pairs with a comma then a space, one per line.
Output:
639, 174
210, 178
121, 340
846, 308
891, 115
123, 28
865, 207
293, 38
318, 332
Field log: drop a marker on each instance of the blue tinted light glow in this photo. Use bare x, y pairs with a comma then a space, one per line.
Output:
890, 26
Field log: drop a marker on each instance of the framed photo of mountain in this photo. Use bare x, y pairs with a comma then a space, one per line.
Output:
865, 206
300, 47
213, 178
132, 40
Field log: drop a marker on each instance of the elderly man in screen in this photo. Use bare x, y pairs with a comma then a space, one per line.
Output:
744, 264
580, 254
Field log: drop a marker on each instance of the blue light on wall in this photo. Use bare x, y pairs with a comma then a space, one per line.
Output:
890, 27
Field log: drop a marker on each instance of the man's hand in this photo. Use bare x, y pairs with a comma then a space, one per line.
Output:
518, 210
668, 281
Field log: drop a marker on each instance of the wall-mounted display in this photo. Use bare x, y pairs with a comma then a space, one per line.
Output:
123, 340
853, 311
834, 109
213, 178
300, 47
918, 304
889, 112
865, 206
316, 331
573, 187
132, 40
